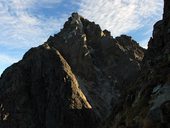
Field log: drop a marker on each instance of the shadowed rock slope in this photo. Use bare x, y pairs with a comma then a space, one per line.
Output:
73, 80
42, 92
98, 60
146, 103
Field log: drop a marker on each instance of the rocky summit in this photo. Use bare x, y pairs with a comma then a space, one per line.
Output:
82, 77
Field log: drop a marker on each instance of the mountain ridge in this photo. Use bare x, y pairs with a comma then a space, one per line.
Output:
82, 77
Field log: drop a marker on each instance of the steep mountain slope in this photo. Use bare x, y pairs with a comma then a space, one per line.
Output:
98, 60
73, 80
41, 91
147, 101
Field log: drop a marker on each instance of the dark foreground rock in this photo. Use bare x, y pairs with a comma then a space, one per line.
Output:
42, 92
147, 101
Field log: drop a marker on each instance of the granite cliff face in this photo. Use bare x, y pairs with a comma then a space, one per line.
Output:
82, 77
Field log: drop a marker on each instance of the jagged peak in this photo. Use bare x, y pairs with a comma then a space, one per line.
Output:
74, 22
76, 15
86, 33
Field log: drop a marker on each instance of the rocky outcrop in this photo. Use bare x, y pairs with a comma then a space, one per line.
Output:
147, 101
98, 60
73, 80
42, 92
